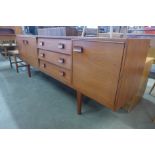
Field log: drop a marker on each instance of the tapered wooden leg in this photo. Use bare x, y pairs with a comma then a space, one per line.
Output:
153, 120
152, 88
79, 102
29, 70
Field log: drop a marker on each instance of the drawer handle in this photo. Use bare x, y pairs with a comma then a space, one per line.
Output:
44, 65
62, 73
61, 46
42, 55
41, 43
25, 42
78, 49
61, 60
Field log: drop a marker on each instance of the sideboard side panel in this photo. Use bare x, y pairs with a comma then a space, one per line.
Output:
131, 74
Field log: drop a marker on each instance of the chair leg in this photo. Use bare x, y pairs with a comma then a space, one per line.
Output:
29, 70
10, 61
5, 52
152, 88
15, 58
79, 102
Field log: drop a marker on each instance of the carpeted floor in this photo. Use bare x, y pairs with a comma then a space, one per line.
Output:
42, 102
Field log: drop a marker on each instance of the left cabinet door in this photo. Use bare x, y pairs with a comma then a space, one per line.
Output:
21, 48
28, 50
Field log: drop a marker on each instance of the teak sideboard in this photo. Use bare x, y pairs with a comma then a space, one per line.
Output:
106, 70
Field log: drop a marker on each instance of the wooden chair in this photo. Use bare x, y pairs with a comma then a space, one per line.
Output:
17, 61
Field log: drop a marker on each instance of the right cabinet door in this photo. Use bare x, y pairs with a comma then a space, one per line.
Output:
96, 69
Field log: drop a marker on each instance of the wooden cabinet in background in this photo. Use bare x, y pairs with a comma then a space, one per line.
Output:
16, 29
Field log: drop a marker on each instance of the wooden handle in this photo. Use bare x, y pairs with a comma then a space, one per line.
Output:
77, 49
44, 65
25, 42
41, 43
61, 46
62, 73
61, 60
42, 54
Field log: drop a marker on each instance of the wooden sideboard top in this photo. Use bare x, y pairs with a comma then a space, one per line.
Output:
7, 35
83, 38
50, 37
26, 35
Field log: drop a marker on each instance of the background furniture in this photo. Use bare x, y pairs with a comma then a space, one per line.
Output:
8, 45
17, 61
89, 32
106, 70
15, 29
30, 30
58, 31
7, 39
5, 46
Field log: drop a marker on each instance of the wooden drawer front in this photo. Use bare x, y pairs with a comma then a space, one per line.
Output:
56, 72
56, 45
59, 59
96, 69
28, 50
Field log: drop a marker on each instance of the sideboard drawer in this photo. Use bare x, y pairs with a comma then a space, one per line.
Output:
56, 45
58, 59
56, 72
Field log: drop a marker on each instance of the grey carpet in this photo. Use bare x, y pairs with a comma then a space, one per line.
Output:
42, 102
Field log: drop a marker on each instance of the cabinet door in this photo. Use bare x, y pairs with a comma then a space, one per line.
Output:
28, 50
96, 69
21, 48
31, 51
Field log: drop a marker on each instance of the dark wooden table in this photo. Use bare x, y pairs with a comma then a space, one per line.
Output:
5, 47
7, 38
